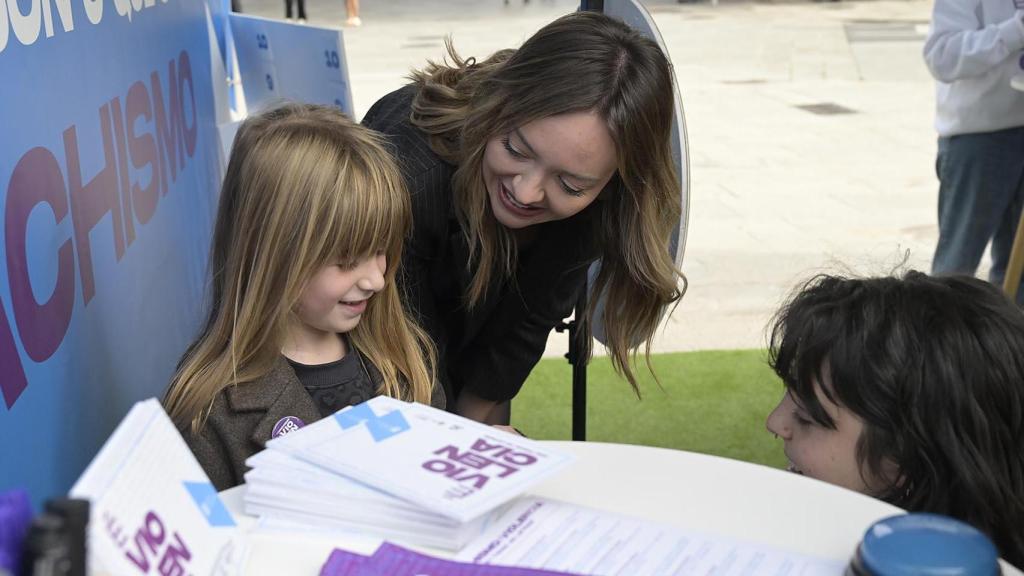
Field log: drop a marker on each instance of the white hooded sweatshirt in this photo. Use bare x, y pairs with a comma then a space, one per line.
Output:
973, 50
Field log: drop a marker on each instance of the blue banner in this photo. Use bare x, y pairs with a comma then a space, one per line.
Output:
280, 61
109, 167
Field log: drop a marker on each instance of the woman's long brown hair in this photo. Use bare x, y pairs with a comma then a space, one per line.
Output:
581, 62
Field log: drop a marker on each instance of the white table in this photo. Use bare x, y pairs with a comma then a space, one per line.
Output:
692, 491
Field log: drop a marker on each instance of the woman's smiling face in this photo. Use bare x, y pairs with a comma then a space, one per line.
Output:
548, 169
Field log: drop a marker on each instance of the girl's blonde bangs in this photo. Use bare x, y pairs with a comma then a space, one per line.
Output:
371, 215
351, 204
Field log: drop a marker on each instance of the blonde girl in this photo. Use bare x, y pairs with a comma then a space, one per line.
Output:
305, 316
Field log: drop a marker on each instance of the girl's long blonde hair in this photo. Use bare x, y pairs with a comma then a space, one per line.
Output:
584, 61
305, 188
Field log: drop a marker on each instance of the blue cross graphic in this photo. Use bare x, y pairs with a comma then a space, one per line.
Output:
380, 427
209, 503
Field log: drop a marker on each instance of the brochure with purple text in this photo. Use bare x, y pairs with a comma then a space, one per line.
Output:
153, 509
449, 465
280, 487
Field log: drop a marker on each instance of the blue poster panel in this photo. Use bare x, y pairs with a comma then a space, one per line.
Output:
109, 166
280, 61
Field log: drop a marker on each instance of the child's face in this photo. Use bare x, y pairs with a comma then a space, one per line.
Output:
817, 451
336, 297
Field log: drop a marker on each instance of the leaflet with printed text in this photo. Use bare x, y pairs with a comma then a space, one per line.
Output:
153, 509
440, 462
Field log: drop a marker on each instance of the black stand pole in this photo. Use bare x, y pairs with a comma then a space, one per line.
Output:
578, 355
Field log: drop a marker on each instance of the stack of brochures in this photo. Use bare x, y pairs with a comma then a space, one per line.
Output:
404, 471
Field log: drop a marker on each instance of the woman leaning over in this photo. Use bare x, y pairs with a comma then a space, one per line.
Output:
523, 169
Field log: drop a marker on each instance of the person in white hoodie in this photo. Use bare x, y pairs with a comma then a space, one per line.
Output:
974, 49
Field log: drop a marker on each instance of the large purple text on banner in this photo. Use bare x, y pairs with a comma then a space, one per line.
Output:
109, 166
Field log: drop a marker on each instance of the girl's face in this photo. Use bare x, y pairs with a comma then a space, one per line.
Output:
549, 169
817, 451
335, 298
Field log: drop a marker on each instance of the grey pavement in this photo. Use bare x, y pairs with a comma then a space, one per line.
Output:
810, 135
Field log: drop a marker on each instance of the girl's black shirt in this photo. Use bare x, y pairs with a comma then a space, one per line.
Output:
335, 385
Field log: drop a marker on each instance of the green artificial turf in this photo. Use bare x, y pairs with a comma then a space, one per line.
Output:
713, 402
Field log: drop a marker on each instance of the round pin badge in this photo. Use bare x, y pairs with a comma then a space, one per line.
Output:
286, 425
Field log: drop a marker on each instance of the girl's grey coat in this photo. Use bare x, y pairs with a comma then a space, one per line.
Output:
243, 418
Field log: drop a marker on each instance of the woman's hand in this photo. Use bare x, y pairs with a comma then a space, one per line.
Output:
509, 429
471, 406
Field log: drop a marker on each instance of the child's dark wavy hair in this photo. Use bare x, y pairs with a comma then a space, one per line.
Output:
935, 369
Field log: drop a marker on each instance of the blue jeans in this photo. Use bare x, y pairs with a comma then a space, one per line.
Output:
981, 192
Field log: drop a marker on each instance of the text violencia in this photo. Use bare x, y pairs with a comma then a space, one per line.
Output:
473, 468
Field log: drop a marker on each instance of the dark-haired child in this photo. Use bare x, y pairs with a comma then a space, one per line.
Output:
910, 390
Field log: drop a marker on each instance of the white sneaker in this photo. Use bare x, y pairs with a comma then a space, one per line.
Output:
354, 22
1017, 82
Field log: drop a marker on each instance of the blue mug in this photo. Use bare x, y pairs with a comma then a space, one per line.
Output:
922, 544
